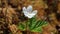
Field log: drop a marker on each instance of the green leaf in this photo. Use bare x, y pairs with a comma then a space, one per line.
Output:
36, 25
39, 29
39, 22
33, 25
32, 22
21, 27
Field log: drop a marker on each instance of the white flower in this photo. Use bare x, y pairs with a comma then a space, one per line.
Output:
28, 11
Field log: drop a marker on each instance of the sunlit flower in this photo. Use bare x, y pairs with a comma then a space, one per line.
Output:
28, 12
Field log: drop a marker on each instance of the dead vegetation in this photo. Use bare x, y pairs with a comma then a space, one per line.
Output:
11, 14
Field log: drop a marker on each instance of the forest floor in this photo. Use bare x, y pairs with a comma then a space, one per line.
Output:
14, 8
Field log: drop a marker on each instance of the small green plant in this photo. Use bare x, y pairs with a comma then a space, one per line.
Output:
33, 25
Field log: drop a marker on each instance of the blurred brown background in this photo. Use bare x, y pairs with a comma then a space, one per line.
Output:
11, 14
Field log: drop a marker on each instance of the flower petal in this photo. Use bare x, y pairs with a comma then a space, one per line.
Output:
24, 9
30, 15
26, 15
29, 8
28, 12
34, 12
